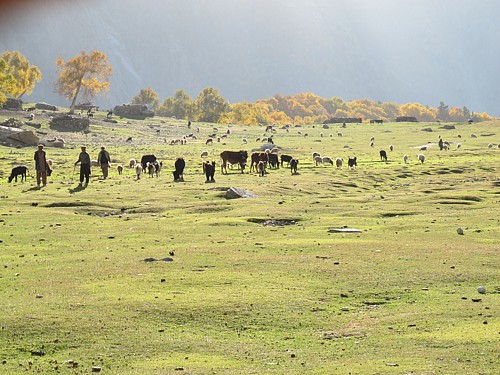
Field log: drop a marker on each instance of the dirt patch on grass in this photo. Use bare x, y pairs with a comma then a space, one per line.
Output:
396, 214
209, 209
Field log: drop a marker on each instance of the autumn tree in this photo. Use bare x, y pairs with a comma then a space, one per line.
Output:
443, 112
180, 105
86, 72
7, 81
147, 97
210, 105
456, 114
25, 74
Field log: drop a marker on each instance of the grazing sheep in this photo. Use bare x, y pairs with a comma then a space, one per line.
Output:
138, 170
423, 148
158, 167
330, 135
490, 145
132, 163
352, 162
32, 116
326, 160
446, 147
473, 135
151, 169
459, 136
339, 134
321, 134
204, 154
293, 166
421, 158
372, 144
50, 162
245, 141
209, 141
316, 154
405, 159
318, 160
261, 167
459, 145
383, 155
119, 168
372, 139
339, 162
391, 148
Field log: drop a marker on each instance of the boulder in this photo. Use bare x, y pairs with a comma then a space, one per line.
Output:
45, 106
18, 137
234, 192
12, 104
70, 123
134, 111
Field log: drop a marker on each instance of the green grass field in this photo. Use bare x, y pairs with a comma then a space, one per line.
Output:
241, 297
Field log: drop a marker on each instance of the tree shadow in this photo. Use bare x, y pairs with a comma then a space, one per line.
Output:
34, 188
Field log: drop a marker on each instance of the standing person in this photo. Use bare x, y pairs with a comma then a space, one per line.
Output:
41, 166
104, 161
84, 160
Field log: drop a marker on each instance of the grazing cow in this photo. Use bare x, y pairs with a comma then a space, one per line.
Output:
138, 170
119, 168
352, 162
151, 159
293, 166
209, 170
421, 158
256, 157
339, 162
405, 159
109, 114
273, 160
233, 157
326, 160
18, 171
180, 164
383, 155
285, 159
261, 167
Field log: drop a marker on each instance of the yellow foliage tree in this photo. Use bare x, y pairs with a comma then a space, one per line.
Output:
147, 97
7, 81
86, 72
456, 114
25, 74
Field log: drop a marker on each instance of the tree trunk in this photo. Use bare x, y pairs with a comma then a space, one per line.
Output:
72, 107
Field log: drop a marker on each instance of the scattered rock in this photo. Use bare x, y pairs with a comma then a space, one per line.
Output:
234, 192
38, 296
69, 123
481, 290
460, 231
344, 230
96, 369
45, 106
39, 353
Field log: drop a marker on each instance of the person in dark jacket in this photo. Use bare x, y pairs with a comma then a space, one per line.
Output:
84, 160
104, 161
41, 166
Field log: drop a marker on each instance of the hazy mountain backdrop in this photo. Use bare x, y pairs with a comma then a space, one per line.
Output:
423, 51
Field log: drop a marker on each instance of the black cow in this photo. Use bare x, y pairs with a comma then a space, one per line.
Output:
209, 170
285, 159
256, 157
383, 155
180, 164
151, 159
293, 165
352, 162
233, 157
273, 160
18, 171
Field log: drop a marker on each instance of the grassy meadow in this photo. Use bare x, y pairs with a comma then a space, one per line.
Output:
241, 297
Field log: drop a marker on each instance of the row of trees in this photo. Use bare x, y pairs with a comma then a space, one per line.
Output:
88, 74
303, 108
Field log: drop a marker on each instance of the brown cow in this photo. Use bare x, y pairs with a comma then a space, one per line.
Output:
233, 157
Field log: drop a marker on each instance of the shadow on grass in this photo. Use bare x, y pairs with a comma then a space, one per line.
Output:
77, 189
